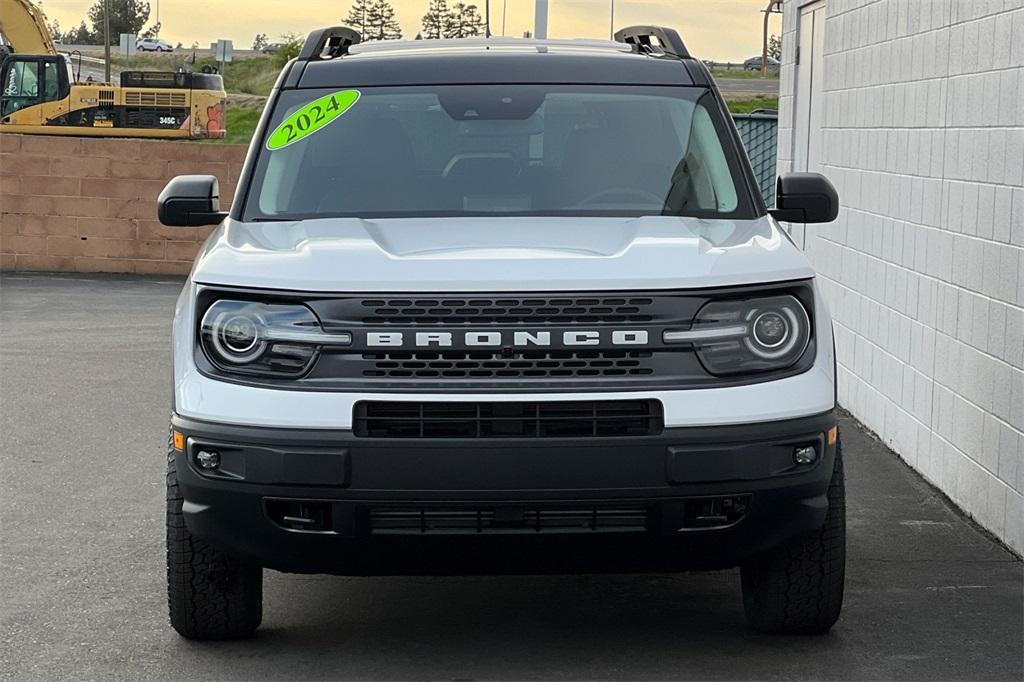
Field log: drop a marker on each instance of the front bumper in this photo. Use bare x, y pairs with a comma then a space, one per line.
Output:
318, 501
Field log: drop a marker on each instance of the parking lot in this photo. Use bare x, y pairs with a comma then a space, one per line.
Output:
84, 401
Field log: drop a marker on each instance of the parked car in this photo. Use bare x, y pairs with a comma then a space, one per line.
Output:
754, 64
153, 45
272, 48
420, 342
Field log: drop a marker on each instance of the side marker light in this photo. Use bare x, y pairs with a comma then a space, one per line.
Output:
179, 441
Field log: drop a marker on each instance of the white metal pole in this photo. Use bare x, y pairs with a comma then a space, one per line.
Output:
540, 20
611, 32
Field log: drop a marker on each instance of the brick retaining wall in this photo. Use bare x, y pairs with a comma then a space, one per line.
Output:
89, 205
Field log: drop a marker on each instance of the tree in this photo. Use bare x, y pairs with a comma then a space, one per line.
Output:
81, 36
126, 16
358, 16
436, 20
775, 47
381, 22
55, 32
466, 21
291, 45
153, 31
259, 42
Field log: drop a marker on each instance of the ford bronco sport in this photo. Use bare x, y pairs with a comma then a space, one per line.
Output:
497, 306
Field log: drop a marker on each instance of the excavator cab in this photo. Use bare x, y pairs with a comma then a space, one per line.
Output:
30, 80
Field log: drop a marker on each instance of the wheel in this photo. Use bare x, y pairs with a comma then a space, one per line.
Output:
209, 595
798, 588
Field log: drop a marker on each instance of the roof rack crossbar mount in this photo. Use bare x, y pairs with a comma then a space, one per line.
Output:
643, 39
328, 43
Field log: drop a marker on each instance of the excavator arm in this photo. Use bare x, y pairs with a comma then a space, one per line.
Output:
23, 28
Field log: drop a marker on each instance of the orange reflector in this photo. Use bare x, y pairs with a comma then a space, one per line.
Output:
831, 435
179, 441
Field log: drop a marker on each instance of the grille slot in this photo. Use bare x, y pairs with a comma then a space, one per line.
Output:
474, 365
161, 99
579, 419
536, 311
507, 520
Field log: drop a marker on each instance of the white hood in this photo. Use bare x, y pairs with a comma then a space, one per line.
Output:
498, 254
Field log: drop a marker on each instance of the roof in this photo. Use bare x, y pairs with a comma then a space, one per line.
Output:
494, 60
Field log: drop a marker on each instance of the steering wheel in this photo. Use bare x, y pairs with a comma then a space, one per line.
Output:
620, 191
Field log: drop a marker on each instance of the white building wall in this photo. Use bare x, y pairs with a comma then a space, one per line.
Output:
924, 269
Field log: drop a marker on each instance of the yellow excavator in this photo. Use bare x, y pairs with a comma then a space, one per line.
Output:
39, 92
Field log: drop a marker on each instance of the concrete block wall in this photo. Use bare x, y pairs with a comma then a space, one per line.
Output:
923, 136
89, 205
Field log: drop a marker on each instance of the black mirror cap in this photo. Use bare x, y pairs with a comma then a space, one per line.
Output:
190, 201
805, 198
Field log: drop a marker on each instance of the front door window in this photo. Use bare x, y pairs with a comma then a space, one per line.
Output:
20, 86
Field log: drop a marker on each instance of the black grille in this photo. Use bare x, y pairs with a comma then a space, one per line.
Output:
473, 365
613, 418
508, 520
540, 310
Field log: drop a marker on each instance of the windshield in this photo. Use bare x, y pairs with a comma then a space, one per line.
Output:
430, 151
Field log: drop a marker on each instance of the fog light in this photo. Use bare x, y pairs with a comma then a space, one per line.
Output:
805, 455
208, 460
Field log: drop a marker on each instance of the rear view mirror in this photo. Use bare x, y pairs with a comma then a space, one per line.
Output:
805, 198
190, 201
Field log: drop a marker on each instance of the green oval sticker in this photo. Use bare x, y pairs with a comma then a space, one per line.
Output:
311, 118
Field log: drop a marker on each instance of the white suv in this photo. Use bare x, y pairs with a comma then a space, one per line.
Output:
496, 306
153, 45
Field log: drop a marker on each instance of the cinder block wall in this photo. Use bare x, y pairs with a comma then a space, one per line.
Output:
89, 205
923, 135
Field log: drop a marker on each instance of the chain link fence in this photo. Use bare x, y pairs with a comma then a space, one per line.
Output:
760, 137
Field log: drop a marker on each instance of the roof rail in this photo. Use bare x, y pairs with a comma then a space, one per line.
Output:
328, 43
641, 38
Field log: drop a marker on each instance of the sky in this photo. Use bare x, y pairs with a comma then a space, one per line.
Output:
723, 30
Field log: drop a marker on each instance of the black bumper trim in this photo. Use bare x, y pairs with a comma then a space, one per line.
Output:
346, 480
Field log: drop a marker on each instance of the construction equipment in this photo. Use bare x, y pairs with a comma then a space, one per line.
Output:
40, 94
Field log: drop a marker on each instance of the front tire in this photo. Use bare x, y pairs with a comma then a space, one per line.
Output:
798, 588
209, 594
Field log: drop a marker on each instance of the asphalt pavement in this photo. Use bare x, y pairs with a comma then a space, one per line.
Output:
84, 401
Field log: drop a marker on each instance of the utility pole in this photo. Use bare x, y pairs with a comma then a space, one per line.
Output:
611, 31
158, 18
504, 10
487, 18
106, 37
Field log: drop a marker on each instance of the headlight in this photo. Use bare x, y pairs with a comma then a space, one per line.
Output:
748, 335
274, 339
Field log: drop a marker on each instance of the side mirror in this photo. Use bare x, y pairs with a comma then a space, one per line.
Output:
190, 201
805, 198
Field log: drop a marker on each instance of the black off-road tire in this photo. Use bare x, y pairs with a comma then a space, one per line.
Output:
798, 588
209, 595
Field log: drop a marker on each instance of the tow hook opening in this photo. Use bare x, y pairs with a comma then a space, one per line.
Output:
300, 515
714, 512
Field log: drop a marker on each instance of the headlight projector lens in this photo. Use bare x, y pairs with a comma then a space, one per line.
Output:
770, 329
236, 337
240, 334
